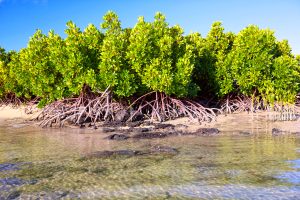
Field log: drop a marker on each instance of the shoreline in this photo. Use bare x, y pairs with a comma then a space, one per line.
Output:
9, 112
237, 122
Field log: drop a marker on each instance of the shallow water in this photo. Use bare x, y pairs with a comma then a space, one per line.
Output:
245, 162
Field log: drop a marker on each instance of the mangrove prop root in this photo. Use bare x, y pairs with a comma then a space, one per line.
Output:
156, 106
160, 107
242, 103
237, 104
12, 99
79, 110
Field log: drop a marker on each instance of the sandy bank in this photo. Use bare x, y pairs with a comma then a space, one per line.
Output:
252, 123
9, 112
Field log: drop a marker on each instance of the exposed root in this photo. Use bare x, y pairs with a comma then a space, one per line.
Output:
156, 106
12, 99
242, 103
297, 105
160, 107
31, 106
287, 112
79, 110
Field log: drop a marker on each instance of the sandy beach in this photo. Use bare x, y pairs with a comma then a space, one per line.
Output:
11, 112
225, 123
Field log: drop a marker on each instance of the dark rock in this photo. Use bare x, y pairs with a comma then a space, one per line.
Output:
70, 121
88, 120
276, 132
163, 126
134, 124
89, 125
136, 116
168, 195
108, 129
206, 170
122, 115
157, 149
205, 131
152, 135
61, 194
118, 137
80, 122
32, 182
141, 130
149, 135
244, 133
296, 133
13, 195
114, 123
105, 154
81, 126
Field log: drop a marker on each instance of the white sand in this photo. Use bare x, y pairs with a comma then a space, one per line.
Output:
9, 112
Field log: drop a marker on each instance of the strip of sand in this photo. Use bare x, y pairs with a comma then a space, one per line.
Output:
9, 112
239, 122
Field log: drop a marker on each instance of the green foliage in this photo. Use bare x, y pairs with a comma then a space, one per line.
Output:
298, 70
162, 57
53, 68
298, 59
77, 57
285, 80
256, 69
212, 51
35, 71
251, 60
4, 71
115, 70
13, 71
283, 48
152, 56
7, 83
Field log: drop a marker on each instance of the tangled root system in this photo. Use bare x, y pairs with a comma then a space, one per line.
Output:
85, 108
160, 107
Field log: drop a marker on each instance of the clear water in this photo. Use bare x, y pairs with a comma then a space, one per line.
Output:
40, 163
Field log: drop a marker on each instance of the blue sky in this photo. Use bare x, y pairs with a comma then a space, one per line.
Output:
20, 18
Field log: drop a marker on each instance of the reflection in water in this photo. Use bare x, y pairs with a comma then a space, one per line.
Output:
51, 163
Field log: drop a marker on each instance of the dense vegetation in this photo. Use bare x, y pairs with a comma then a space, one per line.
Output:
152, 58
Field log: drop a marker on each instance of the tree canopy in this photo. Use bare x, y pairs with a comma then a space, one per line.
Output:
152, 56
